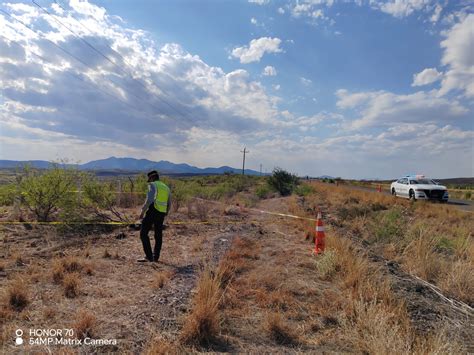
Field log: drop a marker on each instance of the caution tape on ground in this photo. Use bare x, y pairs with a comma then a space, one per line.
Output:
123, 223
263, 211
110, 223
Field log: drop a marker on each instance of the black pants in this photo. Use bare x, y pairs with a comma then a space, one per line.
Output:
152, 218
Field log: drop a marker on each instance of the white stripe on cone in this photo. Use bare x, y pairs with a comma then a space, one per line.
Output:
319, 228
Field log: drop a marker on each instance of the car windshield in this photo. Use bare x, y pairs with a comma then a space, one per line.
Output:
422, 182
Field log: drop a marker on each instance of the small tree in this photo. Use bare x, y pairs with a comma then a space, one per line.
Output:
100, 197
283, 181
45, 192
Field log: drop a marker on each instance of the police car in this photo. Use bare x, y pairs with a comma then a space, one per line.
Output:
418, 187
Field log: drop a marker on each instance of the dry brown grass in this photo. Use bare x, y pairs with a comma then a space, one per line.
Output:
160, 346
279, 331
85, 325
71, 284
202, 324
18, 295
160, 278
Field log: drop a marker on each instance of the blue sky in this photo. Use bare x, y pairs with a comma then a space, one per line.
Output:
345, 88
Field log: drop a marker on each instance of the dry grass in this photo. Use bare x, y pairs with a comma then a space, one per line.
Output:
376, 329
279, 331
160, 279
160, 346
71, 284
202, 324
17, 295
85, 325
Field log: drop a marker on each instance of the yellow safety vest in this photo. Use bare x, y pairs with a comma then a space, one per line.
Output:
162, 196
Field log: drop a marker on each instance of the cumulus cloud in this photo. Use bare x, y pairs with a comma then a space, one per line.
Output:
256, 49
458, 56
269, 71
136, 93
383, 108
426, 76
401, 8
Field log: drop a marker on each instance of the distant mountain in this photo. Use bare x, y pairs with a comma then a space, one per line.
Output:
38, 164
131, 164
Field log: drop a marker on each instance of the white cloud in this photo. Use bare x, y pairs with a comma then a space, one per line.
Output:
426, 76
281, 10
305, 81
269, 71
383, 108
256, 49
436, 13
401, 8
171, 91
259, 2
459, 57
253, 21
276, 87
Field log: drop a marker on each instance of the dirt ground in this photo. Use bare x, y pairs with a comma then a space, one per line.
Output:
134, 303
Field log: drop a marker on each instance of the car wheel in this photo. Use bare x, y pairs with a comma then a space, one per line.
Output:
394, 193
412, 195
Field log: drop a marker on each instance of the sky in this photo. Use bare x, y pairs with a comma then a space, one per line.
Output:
356, 89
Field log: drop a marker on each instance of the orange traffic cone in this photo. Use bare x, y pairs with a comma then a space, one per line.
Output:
319, 242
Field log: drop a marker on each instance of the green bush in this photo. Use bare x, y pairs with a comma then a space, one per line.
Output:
262, 191
304, 190
100, 197
44, 193
8, 194
283, 181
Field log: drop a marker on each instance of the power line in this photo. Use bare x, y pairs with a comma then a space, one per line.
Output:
110, 60
67, 52
75, 75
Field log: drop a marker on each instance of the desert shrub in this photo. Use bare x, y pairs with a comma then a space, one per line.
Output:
44, 193
71, 283
304, 190
85, 325
262, 191
8, 194
100, 197
17, 295
467, 195
283, 181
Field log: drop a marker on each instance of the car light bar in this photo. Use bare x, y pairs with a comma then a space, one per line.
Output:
416, 176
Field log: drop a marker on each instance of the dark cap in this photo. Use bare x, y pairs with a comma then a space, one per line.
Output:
153, 174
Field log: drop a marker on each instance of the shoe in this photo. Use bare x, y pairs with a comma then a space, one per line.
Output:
143, 260
156, 260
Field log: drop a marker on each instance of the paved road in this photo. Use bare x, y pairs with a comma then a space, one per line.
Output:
463, 205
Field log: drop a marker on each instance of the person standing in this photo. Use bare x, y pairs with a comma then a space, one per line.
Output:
154, 211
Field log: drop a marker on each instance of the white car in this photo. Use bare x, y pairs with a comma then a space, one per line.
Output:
418, 187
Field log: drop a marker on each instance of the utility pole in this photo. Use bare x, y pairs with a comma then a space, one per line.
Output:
260, 169
245, 151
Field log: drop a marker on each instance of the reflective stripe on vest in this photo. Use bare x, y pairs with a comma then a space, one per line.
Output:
161, 197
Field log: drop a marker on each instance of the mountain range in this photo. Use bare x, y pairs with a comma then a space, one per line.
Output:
130, 164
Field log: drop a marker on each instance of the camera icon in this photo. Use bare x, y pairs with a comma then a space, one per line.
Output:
19, 339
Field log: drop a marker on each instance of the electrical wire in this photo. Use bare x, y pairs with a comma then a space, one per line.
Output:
110, 60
